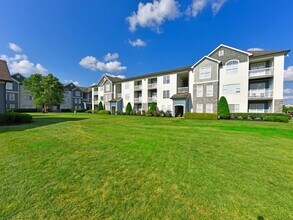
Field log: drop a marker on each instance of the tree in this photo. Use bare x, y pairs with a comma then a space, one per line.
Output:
153, 107
100, 106
128, 108
223, 108
46, 90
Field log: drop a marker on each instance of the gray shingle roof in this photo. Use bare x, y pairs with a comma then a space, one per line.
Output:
180, 96
4, 72
115, 100
259, 53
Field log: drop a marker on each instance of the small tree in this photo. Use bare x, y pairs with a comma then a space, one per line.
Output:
128, 108
223, 108
100, 106
153, 107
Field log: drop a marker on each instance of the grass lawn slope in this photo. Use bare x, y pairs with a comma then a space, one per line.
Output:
74, 166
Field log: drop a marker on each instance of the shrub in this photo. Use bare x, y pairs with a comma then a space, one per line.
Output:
133, 112
100, 106
258, 116
65, 110
15, 118
79, 110
153, 107
207, 116
143, 112
276, 118
104, 112
128, 108
168, 113
138, 112
119, 112
223, 108
162, 113
26, 110
90, 111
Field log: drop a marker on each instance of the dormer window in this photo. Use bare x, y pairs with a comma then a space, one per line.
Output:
221, 53
232, 66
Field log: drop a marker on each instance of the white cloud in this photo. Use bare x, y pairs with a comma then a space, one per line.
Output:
15, 47
111, 56
198, 5
255, 49
92, 63
288, 74
137, 43
153, 15
119, 75
71, 81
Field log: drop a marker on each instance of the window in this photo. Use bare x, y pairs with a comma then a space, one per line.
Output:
75, 101
257, 86
255, 66
234, 108
77, 93
232, 66
205, 72
9, 86
102, 98
221, 53
166, 94
231, 89
27, 97
12, 106
108, 87
102, 89
199, 91
79, 101
209, 90
166, 79
11, 97
209, 108
126, 97
127, 85
199, 108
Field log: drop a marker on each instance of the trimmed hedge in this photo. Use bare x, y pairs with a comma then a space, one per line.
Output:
65, 110
26, 110
15, 118
276, 118
205, 116
258, 116
104, 112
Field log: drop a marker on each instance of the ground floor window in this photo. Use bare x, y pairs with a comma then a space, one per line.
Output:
234, 108
199, 108
257, 107
209, 108
12, 106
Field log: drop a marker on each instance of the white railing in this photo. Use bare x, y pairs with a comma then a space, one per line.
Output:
152, 86
137, 100
138, 87
260, 93
182, 90
152, 99
119, 95
262, 72
259, 110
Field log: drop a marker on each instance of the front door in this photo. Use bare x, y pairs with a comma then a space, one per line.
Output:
113, 110
179, 111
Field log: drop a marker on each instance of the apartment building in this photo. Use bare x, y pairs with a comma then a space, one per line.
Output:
4, 79
73, 98
252, 81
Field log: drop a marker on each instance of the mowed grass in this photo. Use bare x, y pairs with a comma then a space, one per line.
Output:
84, 166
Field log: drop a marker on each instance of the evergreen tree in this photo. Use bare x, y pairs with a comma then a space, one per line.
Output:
223, 108
100, 106
128, 108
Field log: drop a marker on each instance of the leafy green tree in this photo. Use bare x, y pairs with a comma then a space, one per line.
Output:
100, 106
153, 107
47, 91
128, 108
223, 108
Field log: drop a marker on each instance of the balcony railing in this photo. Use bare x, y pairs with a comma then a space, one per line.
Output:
182, 90
259, 110
262, 72
137, 100
152, 99
138, 87
262, 93
152, 86
119, 95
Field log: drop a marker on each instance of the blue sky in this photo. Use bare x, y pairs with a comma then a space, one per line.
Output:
72, 38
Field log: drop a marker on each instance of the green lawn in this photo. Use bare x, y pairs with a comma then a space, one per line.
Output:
125, 167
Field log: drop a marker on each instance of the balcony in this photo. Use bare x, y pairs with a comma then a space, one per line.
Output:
259, 110
152, 99
259, 73
182, 90
137, 87
119, 95
152, 86
137, 100
260, 94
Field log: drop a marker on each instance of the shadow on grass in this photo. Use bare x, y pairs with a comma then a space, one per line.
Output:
38, 121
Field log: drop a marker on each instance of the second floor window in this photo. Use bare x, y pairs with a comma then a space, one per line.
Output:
209, 90
199, 91
166, 79
205, 72
11, 97
166, 94
9, 86
232, 66
77, 93
231, 89
108, 88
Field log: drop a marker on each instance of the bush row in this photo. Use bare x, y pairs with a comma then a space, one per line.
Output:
278, 117
206, 116
26, 110
103, 112
15, 118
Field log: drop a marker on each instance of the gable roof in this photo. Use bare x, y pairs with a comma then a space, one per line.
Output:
4, 72
205, 57
260, 53
181, 96
231, 48
18, 77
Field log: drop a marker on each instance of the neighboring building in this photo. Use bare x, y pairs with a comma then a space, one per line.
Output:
87, 97
252, 81
4, 79
73, 97
12, 95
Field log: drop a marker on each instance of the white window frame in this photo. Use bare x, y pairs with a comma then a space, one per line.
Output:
199, 108
232, 66
205, 72
209, 90
166, 79
9, 86
108, 88
199, 91
221, 53
230, 89
166, 94
11, 97
209, 108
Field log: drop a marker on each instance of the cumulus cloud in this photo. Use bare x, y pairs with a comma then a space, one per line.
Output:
20, 63
111, 56
71, 81
137, 43
255, 49
119, 75
153, 15
198, 5
288, 74
112, 66
15, 47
